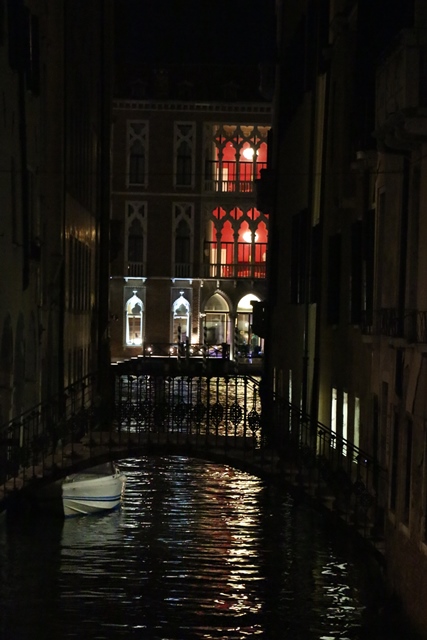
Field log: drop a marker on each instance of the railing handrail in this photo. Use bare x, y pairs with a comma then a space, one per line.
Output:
54, 401
194, 411
182, 349
344, 443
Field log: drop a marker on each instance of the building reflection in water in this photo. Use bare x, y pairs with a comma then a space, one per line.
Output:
198, 550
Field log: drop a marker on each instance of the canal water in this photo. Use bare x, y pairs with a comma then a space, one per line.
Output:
197, 551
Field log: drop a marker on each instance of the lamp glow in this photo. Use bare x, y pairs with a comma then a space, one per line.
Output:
248, 153
247, 236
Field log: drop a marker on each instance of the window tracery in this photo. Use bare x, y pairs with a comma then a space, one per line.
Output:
135, 238
137, 134
237, 242
183, 232
181, 319
234, 156
133, 320
184, 135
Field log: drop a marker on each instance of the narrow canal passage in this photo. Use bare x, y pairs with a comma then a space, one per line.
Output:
198, 551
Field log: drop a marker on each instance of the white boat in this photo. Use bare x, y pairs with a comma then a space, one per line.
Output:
92, 492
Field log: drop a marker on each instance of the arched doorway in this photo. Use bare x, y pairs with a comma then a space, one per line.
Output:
216, 325
248, 342
181, 319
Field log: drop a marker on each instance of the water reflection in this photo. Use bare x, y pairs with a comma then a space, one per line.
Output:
198, 551
229, 406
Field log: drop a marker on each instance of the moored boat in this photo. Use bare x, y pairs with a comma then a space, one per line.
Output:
92, 492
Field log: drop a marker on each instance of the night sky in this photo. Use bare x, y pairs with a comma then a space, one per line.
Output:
233, 31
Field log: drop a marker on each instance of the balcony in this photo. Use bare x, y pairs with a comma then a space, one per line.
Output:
234, 271
232, 177
135, 269
390, 323
183, 270
410, 325
416, 326
235, 260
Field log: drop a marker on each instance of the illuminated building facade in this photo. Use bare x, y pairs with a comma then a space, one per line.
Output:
189, 244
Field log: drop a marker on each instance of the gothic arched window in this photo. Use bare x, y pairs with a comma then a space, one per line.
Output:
136, 238
183, 222
184, 153
135, 241
137, 152
234, 156
215, 327
133, 320
181, 319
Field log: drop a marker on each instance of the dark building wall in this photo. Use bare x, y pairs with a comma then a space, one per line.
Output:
56, 128
347, 303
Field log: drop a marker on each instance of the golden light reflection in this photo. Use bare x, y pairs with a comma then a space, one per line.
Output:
198, 547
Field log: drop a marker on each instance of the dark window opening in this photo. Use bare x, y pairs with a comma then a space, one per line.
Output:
294, 76
17, 16
183, 165
135, 242
398, 382
315, 278
407, 502
33, 60
356, 273
334, 279
394, 463
2, 25
299, 257
137, 164
182, 250
368, 262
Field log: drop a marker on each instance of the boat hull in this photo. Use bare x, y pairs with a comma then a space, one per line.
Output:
87, 495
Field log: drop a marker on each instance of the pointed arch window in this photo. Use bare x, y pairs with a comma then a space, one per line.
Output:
135, 239
181, 319
185, 135
237, 243
137, 134
248, 342
183, 223
215, 320
234, 156
182, 249
183, 164
133, 320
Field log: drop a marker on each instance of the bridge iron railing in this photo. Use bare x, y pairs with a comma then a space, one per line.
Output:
332, 469
35, 442
231, 413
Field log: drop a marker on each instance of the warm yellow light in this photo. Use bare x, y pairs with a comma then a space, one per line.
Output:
248, 153
247, 236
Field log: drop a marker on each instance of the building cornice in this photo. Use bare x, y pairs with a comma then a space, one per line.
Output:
260, 108
207, 197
